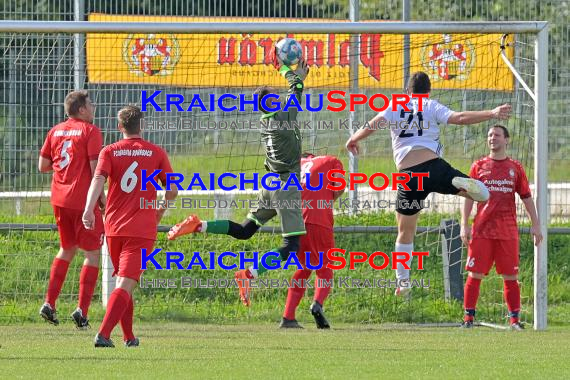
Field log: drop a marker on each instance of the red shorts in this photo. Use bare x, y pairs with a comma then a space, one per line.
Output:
72, 233
317, 239
125, 254
483, 252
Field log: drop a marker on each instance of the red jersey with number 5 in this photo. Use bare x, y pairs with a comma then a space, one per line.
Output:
497, 218
70, 146
318, 165
123, 164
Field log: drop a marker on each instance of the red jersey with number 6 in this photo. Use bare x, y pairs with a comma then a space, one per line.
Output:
497, 218
321, 214
123, 164
70, 146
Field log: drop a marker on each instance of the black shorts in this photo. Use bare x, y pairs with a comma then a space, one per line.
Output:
440, 176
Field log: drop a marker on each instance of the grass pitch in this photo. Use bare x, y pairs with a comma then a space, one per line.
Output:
184, 350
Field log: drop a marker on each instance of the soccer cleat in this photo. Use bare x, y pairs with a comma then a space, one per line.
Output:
190, 225
318, 314
81, 322
101, 341
242, 277
401, 291
49, 314
466, 325
132, 342
475, 189
289, 324
517, 326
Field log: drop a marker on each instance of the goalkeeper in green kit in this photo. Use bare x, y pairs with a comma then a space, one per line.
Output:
283, 151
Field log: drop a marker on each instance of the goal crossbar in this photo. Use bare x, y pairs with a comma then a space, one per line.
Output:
423, 27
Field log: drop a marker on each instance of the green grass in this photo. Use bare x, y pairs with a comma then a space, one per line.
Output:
185, 350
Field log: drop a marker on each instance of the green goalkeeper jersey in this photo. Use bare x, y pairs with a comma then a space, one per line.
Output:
280, 133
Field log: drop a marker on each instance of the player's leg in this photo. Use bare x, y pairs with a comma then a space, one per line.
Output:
407, 225
507, 263
292, 227
453, 181
90, 241
323, 281
295, 293
60, 264
255, 219
479, 262
125, 255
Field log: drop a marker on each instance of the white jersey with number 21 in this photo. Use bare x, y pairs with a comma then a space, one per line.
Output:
416, 129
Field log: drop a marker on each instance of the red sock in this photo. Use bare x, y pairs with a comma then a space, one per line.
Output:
470, 296
321, 293
56, 278
127, 321
513, 299
116, 307
295, 294
87, 282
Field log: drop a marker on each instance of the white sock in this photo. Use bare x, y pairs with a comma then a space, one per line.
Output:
204, 227
401, 273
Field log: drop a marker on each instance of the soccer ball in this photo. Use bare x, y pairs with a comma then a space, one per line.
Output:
289, 51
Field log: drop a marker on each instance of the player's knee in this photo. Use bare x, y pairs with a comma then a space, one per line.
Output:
66, 254
510, 277
476, 275
92, 258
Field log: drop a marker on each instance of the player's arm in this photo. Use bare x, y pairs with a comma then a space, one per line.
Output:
363, 133
533, 216
45, 165
473, 117
102, 201
465, 215
169, 194
94, 193
45, 162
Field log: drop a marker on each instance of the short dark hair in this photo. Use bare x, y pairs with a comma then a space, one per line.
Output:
261, 92
74, 101
505, 130
419, 83
130, 118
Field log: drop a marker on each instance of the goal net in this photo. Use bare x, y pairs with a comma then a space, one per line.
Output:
467, 73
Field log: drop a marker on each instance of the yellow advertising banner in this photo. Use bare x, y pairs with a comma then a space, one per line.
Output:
457, 61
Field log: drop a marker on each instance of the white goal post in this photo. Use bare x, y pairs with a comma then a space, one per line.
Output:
537, 28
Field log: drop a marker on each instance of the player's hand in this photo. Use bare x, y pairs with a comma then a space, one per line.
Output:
88, 219
465, 234
302, 69
502, 112
537, 235
352, 147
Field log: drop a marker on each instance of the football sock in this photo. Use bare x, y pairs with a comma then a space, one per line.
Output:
127, 321
87, 282
295, 293
216, 227
290, 244
322, 292
116, 307
470, 296
513, 299
401, 272
57, 275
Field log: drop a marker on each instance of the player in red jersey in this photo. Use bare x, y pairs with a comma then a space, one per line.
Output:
70, 150
128, 227
319, 224
494, 236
